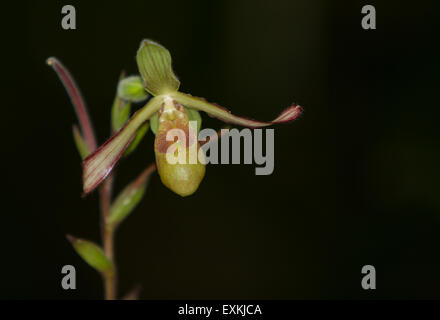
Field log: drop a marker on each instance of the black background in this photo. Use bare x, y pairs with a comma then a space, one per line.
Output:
355, 179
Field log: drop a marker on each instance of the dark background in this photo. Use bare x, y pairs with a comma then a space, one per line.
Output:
356, 178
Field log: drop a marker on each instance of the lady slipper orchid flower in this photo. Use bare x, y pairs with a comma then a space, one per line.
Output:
168, 109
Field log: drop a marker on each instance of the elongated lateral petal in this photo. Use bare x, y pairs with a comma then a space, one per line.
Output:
99, 164
77, 101
225, 115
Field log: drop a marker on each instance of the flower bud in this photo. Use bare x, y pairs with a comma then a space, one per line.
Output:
178, 163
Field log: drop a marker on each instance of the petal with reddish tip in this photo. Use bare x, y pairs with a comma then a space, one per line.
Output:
225, 115
99, 164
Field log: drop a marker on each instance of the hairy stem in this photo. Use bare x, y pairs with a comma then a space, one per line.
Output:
107, 232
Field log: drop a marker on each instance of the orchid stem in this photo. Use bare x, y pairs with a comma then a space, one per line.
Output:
105, 191
107, 232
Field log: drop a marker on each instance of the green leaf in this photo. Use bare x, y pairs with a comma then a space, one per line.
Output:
92, 254
130, 197
80, 143
193, 115
132, 89
154, 63
120, 113
139, 136
125, 203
